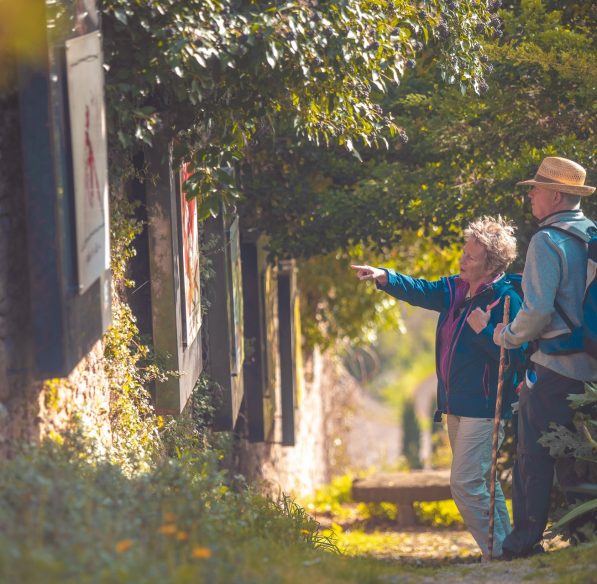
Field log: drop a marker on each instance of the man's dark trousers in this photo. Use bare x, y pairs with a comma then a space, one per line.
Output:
532, 476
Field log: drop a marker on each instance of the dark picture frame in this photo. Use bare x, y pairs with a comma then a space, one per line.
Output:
66, 320
163, 200
224, 335
261, 367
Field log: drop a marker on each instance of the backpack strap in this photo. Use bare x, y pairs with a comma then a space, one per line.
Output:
580, 235
563, 315
566, 228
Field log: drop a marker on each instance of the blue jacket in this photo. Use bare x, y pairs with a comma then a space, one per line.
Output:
470, 386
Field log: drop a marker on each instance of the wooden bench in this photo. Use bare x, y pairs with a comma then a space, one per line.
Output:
403, 489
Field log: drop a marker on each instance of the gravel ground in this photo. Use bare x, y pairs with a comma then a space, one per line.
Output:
456, 555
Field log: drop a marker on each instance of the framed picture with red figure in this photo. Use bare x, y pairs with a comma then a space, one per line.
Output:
189, 261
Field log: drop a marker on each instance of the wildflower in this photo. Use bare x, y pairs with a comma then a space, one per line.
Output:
169, 517
182, 535
201, 553
168, 529
123, 545
305, 532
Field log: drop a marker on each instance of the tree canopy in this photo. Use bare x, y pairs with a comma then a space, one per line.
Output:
465, 153
214, 74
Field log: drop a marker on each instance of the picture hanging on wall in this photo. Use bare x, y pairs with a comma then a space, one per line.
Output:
89, 155
191, 289
237, 299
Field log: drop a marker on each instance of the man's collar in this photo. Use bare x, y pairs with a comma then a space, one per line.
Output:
566, 215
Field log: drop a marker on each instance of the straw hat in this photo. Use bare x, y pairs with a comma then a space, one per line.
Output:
560, 174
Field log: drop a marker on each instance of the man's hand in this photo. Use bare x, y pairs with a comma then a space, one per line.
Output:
478, 319
371, 273
497, 334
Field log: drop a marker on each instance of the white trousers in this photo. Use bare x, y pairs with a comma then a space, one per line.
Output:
470, 440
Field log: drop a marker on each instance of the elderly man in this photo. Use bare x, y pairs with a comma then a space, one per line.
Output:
553, 283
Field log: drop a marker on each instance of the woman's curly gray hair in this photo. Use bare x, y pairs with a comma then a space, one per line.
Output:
496, 235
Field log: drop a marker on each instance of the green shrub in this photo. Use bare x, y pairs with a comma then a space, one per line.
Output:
68, 518
575, 450
332, 497
438, 513
411, 434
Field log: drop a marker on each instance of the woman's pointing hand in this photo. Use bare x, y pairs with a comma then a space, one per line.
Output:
371, 273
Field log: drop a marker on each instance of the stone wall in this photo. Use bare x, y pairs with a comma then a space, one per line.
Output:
83, 398
319, 450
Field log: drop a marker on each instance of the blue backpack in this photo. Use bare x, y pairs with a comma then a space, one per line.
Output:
516, 368
581, 338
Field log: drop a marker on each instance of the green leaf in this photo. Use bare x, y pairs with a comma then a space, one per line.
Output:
586, 398
270, 59
120, 15
583, 508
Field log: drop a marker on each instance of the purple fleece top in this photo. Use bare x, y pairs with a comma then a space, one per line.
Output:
452, 326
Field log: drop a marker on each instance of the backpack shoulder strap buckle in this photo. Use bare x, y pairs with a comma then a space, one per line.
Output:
584, 235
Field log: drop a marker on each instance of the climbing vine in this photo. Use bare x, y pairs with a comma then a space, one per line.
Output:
128, 361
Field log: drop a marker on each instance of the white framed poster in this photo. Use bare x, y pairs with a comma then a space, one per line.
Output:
85, 77
190, 260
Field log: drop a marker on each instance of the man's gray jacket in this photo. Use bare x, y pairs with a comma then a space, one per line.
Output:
555, 269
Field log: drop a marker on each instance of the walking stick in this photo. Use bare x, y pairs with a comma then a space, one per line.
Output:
496, 430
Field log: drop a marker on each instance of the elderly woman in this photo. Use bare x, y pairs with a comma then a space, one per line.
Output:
470, 305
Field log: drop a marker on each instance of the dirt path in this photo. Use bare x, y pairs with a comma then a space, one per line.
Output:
452, 552
421, 545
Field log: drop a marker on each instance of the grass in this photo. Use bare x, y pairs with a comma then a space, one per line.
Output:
67, 519
70, 519
573, 565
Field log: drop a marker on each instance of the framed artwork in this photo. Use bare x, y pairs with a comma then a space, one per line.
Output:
224, 338
172, 267
189, 264
63, 138
261, 365
89, 156
270, 326
298, 350
237, 327
289, 351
